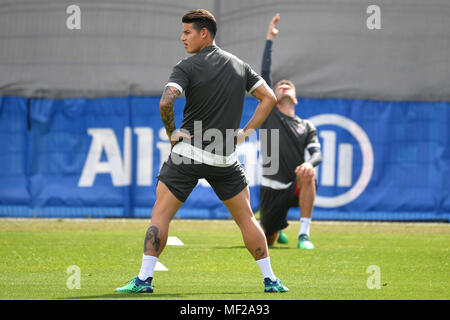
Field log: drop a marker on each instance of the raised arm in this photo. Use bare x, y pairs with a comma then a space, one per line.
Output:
267, 55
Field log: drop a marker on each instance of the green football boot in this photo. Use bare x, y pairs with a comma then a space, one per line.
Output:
304, 243
274, 286
282, 238
136, 285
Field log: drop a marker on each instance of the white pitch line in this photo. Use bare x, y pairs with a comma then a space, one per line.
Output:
171, 241
160, 267
174, 241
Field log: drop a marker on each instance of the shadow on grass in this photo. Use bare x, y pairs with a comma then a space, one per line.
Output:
230, 247
243, 247
123, 296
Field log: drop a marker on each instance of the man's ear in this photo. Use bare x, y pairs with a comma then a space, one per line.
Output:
204, 33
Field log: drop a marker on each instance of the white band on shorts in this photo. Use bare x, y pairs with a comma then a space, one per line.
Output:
189, 151
273, 184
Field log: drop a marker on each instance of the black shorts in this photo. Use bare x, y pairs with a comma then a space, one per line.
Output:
274, 206
181, 179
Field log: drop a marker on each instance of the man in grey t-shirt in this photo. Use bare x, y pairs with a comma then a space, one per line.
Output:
214, 82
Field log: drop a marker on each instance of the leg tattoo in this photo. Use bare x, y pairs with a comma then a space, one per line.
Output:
151, 237
260, 253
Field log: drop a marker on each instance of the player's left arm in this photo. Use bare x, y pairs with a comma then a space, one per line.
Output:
267, 100
313, 147
316, 156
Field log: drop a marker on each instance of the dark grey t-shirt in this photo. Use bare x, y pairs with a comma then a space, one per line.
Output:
215, 83
295, 135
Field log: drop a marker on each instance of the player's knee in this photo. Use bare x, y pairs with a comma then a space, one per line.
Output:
271, 238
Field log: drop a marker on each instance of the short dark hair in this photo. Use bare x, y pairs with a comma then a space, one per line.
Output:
288, 82
201, 18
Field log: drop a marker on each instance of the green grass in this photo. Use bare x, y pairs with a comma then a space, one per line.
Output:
213, 264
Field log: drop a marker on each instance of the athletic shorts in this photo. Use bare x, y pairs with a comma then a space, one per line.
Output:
274, 206
181, 179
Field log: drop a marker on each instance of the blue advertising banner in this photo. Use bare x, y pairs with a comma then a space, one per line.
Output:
381, 160
101, 157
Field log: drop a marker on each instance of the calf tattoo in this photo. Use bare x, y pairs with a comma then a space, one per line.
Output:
260, 253
151, 238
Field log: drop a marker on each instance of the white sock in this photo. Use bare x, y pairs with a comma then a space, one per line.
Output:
147, 267
304, 226
266, 268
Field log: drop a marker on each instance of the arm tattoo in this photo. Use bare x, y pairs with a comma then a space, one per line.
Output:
166, 108
151, 238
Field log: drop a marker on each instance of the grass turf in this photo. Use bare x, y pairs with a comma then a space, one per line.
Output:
214, 264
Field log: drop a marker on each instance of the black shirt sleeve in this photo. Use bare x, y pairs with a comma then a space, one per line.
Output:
179, 76
267, 62
254, 80
313, 145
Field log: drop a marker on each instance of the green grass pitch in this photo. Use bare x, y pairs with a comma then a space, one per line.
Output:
413, 261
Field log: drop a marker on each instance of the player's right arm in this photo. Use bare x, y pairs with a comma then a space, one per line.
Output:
166, 109
178, 80
267, 55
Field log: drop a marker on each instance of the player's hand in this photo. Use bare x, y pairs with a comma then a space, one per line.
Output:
273, 31
178, 135
243, 135
305, 170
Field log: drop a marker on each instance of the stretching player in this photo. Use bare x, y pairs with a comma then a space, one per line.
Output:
214, 82
294, 184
